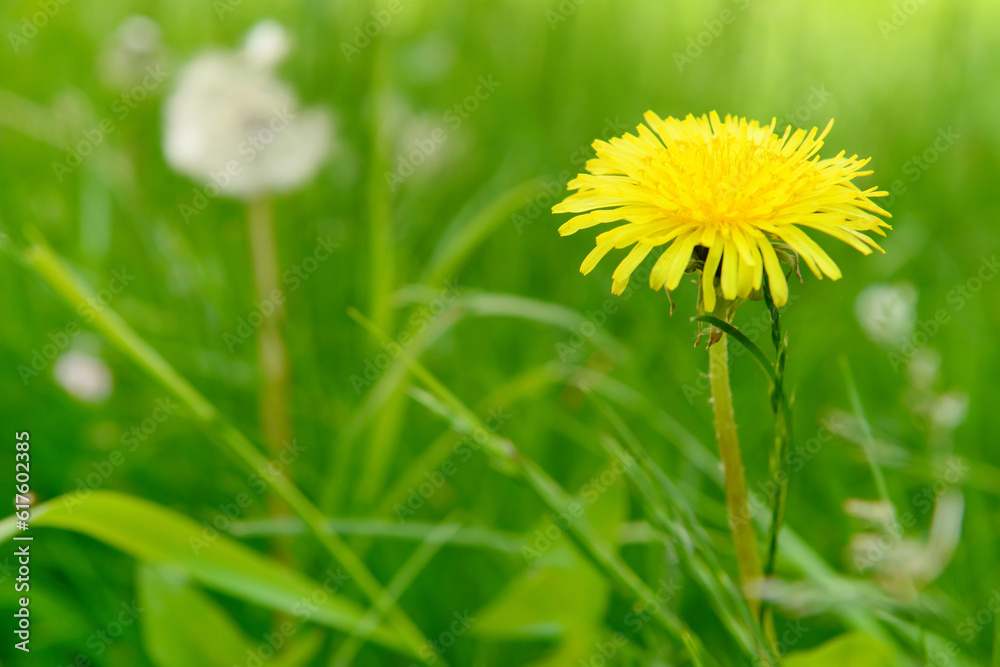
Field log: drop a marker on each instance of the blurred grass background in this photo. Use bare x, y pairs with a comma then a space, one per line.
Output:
894, 75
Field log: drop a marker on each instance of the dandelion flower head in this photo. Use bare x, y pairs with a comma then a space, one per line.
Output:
728, 197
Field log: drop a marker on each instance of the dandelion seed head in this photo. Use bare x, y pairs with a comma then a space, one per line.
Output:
232, 123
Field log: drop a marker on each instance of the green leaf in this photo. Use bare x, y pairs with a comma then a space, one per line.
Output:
581, 647
561, 594
182, 626
474, 537
854, 649
546, 603
743, 340
405, 577
302, 651
160, 536
493, 304
457, 246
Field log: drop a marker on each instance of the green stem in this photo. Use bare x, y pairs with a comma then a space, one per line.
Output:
272, 356
737, 497
782, 443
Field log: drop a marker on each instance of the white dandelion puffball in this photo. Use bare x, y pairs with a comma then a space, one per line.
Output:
887, 313
83, 376
230, 122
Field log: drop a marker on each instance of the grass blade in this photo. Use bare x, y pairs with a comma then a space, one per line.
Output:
455, 248
154, 534
60, 277
405, 576
557, 499
475, 537
868, 439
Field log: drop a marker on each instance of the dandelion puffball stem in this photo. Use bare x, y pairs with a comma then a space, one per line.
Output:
272, 356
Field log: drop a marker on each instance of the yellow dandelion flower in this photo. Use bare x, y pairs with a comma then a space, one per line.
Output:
725, 191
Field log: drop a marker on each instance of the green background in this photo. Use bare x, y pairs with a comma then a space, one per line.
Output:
895, 77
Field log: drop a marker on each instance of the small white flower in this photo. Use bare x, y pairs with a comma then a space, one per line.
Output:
231, 122
133, 47
887, 313
876, 512
923, 368
950, 409
903, 564
83, 376
266, 45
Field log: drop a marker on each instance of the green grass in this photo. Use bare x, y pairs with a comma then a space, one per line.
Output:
498, 406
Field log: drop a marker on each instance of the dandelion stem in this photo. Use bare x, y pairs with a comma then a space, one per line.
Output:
737, 497
272, 356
